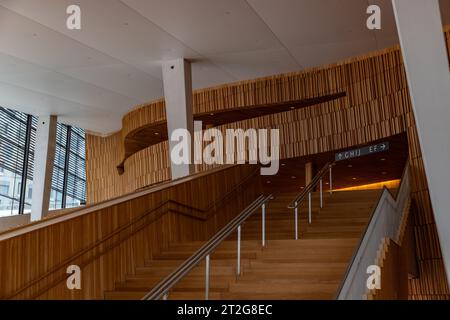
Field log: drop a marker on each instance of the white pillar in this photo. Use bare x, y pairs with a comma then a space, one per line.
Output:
43, 166
177, 80
423, 46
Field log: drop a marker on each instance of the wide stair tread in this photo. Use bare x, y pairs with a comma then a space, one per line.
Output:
309, 268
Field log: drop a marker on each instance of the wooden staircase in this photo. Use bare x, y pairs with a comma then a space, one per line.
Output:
309, 268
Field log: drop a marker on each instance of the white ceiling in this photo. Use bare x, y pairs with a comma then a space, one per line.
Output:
92, 77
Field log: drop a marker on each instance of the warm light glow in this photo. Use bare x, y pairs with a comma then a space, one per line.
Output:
390, 184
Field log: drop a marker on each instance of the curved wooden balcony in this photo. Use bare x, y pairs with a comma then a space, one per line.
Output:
147, 126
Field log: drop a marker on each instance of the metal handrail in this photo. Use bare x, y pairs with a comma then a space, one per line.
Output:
311, 185
318, 179
403, 180
162, 289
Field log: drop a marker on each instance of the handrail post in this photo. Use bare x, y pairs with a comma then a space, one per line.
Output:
263, 225
162, 289
296, 220
331, 181
207, 278
309, 206
166, 296
238, 268
321, 196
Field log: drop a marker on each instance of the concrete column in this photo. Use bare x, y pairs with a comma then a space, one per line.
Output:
44, 157
177, 80
423, 47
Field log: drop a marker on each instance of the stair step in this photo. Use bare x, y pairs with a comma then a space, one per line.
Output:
194, 295
125, 295
277, 296
190, 282
151, 265
214, 270
309, 268
216, 255
283, 287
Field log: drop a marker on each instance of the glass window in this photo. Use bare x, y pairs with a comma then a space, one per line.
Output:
13, 131
4, 187
69, 179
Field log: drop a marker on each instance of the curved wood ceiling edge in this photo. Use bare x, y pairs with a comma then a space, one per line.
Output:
156, 132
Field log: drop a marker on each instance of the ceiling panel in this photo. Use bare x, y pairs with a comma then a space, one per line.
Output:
209, 27
307, 22
91, 77
327, 53
130, 67
121, 78
71, 89
206, 74
41, 104
35, 102
103, 23
254, 64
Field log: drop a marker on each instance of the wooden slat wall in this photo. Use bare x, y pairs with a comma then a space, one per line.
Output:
432, 282
377, 105
110, 242
394, 277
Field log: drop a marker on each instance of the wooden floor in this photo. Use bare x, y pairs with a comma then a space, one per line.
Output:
309, 268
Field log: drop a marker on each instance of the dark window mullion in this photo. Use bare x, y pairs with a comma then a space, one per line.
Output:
26, 157
66, 167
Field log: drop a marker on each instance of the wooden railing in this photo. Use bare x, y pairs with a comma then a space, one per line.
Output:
110, 240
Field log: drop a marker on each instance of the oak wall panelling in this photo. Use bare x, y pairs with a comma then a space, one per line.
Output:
376, 105
111, 239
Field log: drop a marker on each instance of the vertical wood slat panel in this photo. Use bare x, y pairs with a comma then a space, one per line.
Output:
110, 242
377, 105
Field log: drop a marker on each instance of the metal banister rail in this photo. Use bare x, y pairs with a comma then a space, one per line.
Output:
162, 289
318, 179
384, 222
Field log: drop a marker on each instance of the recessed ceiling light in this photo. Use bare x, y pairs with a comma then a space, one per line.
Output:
211, 114
268, 181
156, 133
383, 159
293, 177
353, 178
384, 172
283, 164
350, 166
302, 187
327, 183
292, 108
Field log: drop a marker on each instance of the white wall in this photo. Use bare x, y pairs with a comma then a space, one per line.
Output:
13, 221
423, 46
